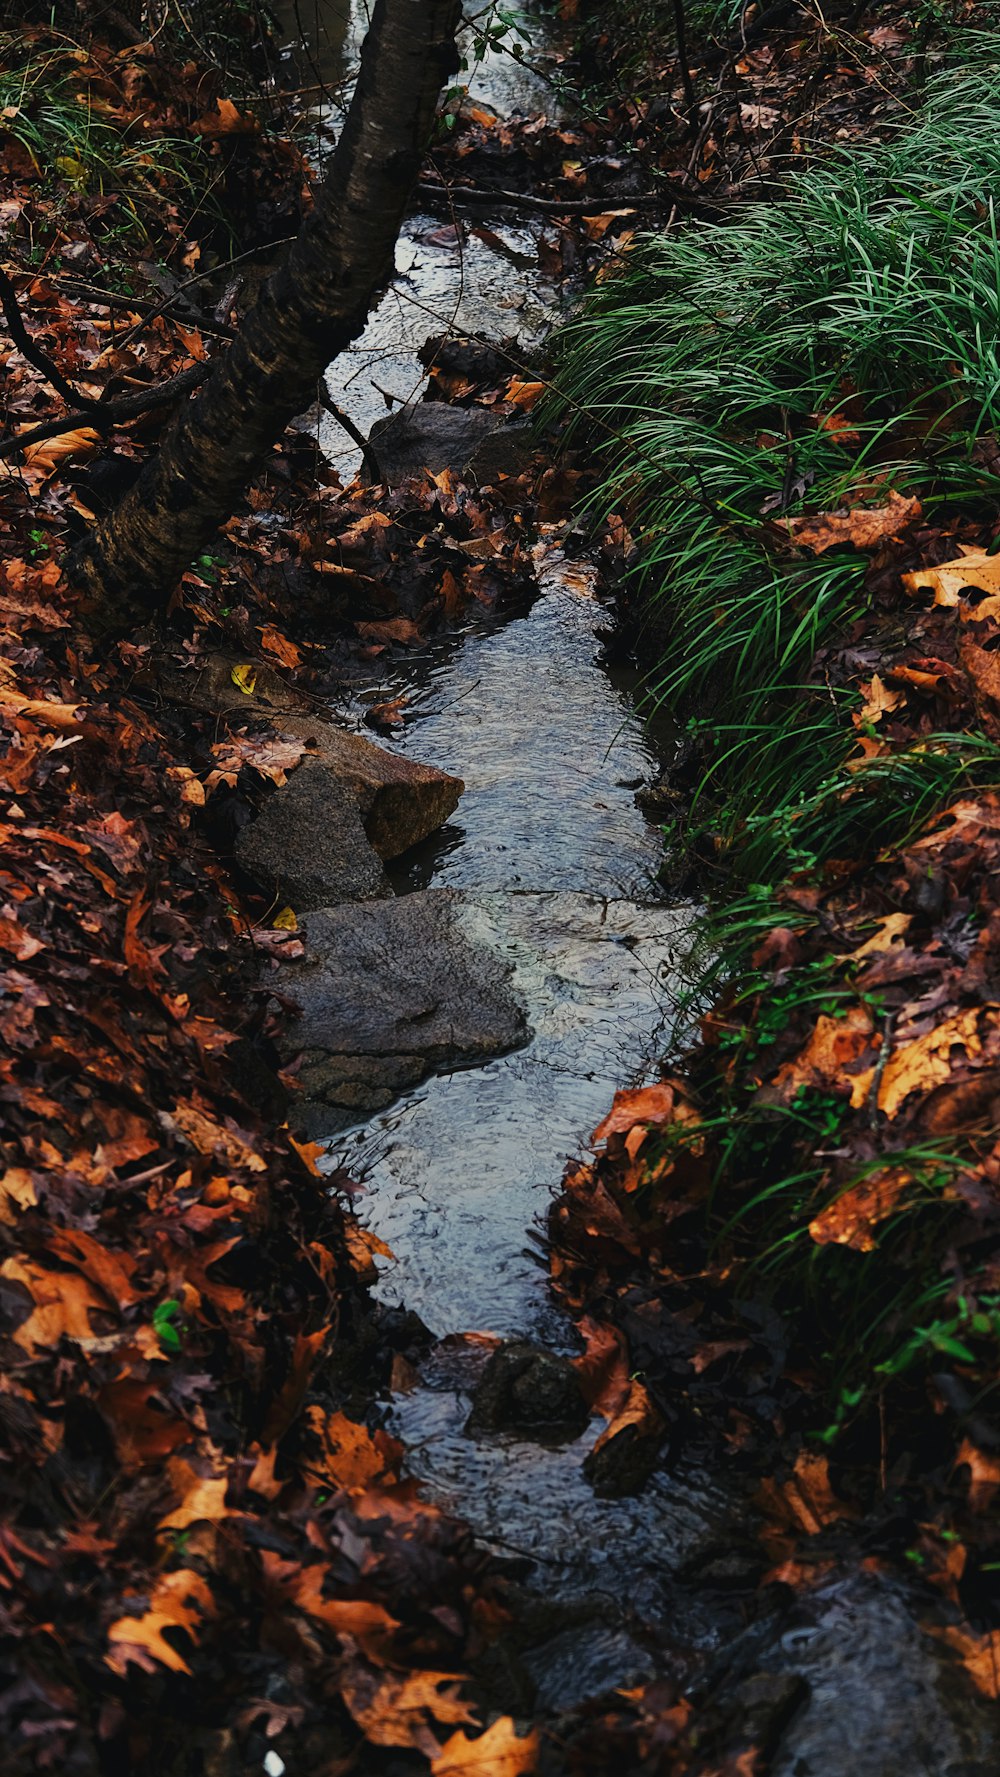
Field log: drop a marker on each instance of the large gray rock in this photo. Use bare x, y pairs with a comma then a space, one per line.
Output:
400, 800
474, 441
389, 992
308, 844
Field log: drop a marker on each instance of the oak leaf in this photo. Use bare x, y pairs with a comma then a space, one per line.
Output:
179, 1601
864, 526
851, 1218
973, 568
923, 1064
397, 1709
500, 1752
891, 930
660, 1103
879, 701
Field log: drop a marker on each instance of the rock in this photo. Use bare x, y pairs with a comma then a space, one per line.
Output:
623, 1465
308, 844
432, 435
531, 1391
401, 800
388, 992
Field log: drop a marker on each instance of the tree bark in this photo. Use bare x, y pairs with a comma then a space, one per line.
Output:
312, 307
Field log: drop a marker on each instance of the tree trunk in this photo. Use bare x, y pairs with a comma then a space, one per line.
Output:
312, 307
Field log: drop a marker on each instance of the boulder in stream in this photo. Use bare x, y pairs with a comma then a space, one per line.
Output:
530, 1392
432, 435
308, 844
388, 992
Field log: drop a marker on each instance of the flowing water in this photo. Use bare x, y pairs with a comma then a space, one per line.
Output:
558, 869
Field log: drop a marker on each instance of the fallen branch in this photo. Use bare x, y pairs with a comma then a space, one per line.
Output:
34, 354
106, 414
145, 306
571, 206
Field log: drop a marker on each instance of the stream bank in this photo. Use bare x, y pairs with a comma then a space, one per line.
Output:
237, 1490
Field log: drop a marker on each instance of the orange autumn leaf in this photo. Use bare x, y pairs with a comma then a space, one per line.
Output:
398, 1708
202, 1497
851, 1218
889, 932
225, 120
636, 1411
834, 1043
349, 1456
63, 1303
879, 701
923, 1064
68, 446
984, 1475
805, 1502
646, 1104
979, 1654
863, 526
500, 1752
178, 1601
603, 1368
273, 642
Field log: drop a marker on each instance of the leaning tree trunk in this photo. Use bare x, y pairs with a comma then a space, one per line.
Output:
311, 308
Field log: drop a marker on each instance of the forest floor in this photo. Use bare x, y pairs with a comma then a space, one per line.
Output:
210, 1551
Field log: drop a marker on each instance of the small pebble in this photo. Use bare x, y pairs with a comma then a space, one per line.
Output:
274, 1765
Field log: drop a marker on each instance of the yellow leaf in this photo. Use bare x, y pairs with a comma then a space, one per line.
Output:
500, 1752
49, 452
244, 678
973, 568
71, 168
878, 701
285, 921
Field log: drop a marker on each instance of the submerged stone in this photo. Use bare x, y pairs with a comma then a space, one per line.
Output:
529, 1390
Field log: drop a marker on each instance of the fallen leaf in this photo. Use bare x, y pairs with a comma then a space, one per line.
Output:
273, 642
500, 1752
851, 1218
890, 932
645, 1104
397, 1709
833, 1045
973, 568
878, 701
863, 526
48, 453
923, 1064
984, 1475
63, 1303
349, 1457
225, 120
979, 1654
179, 1601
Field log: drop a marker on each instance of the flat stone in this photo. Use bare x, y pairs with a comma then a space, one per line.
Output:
389, 992
308, 845
432, 435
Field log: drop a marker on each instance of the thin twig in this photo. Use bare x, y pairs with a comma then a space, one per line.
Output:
143, 305
354, 433
557, 206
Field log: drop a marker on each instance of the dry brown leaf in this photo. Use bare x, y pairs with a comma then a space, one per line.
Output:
202, 1497
17, 1192
660, 1103
890, 932
50, 452
806, 1501
500, 1752
636, 1410
225, 120
851, 1218
351, 1457
879, 701
834, 1043
397, 1709
273, 642
979, 1654
392, 629
179, 1601
923, 1064
63, 1303
984, 1475
864, 526
973, 568
211, 1138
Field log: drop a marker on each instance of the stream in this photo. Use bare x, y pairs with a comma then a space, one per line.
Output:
557, 870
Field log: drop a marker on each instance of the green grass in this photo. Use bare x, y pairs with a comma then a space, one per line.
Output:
709, 371
78, 146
